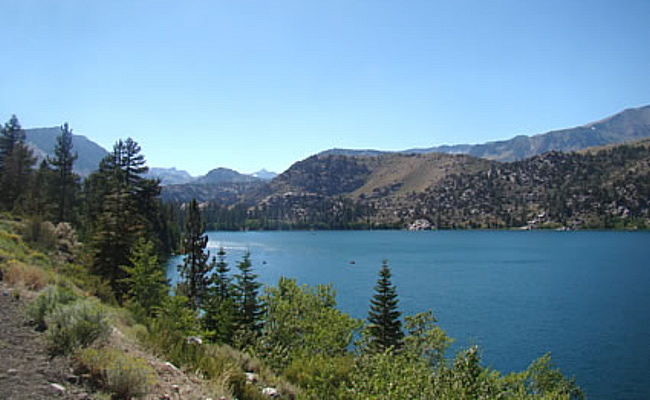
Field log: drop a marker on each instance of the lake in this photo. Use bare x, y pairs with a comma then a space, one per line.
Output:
583, 296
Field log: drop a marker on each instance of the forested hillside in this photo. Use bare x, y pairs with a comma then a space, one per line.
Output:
601, 188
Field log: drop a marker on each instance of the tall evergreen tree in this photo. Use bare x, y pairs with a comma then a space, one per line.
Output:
111, 208
11, 134
385, 327
221, 279
65, 184
195, 266
219, 307
38, 202
16, 161
246, 290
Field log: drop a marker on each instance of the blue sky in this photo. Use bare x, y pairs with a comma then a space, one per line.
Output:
250, 84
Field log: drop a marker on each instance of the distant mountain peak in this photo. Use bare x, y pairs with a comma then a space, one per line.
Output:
43, 140
264, 174
170, 176
225, 175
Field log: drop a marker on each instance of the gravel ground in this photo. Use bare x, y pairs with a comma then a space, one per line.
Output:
26, 370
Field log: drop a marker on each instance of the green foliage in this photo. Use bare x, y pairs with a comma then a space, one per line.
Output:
301, 322
195, 268
542, 379
176, 318
46, 302
249, 308
425, 341
122, 375
76, 325
322, 376
385, 328
40, 233
65, 183
16, 162
147, 285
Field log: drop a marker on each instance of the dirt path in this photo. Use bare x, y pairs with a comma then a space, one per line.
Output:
26, 371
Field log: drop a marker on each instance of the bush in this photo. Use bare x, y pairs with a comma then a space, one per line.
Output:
74, 326
40, 233
122, 375
46, 302
32, 277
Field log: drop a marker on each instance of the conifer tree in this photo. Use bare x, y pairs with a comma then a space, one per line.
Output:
246, 290
219, 308
38, 200
16, 162
11, 134
385, 327
221, 280
195, 266
147, 285
65, 184
112, 210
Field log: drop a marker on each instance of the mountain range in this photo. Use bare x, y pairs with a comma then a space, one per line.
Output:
397, 187
89, 154
629, 125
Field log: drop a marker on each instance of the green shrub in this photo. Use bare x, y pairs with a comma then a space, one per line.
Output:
46, 302
74, 326
123, 375
40, 233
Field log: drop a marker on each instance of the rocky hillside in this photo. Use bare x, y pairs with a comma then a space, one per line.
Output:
600, 188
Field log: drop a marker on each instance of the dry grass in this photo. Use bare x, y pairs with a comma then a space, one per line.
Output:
30, 277
415, 173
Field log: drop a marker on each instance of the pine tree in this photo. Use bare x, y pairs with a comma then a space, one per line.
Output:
111, 208
246, 289
65, 183
219, 308
16, 162
38, 202
147, 285
385, 327
11, 134
221, 280
195, 266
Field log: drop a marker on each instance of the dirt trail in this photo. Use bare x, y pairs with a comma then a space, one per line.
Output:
26, 370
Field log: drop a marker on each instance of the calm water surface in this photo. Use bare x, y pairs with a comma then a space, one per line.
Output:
583, 296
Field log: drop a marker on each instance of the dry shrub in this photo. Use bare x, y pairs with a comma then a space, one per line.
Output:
123, 375
28, 276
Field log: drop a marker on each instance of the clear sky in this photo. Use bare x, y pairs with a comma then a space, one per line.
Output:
250, 84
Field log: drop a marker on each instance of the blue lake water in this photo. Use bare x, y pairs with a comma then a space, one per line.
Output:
583, 296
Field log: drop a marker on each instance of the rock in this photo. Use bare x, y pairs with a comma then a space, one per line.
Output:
57, 387
72, 379
269, 391
194, 339
12, 371
170, 366
420, 225
251, 377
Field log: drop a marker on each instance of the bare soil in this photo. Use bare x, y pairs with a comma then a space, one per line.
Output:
26, 370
